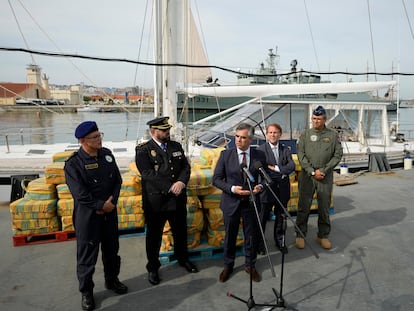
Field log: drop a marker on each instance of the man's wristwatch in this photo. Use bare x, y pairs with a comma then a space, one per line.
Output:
313, 173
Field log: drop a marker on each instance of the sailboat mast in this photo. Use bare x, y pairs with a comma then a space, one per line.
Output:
172, 51
158, 56
169, 48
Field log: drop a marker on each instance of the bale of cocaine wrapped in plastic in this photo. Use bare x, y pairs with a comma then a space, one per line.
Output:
131, 184
130, 212
54, 173
33, 216
38, 189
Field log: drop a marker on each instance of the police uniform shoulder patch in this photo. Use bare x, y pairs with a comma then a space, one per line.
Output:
142, 144
72, 156
108, 158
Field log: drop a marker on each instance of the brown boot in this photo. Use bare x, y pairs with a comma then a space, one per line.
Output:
225, 274
300, 243
255, 274
325, 243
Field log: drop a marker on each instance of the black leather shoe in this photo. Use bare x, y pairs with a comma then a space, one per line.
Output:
88, 303
283, 250
153, 278
189, 266
116, 286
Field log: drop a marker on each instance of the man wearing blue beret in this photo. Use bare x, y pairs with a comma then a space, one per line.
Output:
94, 180
319, 152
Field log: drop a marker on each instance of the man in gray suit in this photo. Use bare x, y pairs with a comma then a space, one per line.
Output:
280, 164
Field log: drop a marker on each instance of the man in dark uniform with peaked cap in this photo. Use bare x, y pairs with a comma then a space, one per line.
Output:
165, 172
319, 152
94, 180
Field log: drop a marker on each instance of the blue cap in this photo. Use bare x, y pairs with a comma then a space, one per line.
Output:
319, 111
85, 128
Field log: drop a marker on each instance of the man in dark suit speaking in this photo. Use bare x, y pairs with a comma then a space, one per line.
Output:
231, 178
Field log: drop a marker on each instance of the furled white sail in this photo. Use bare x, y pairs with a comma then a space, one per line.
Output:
260, 91
195, 55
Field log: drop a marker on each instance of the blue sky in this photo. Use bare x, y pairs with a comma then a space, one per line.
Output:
236, 33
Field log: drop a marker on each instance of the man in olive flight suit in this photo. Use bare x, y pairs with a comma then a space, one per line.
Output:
319, 152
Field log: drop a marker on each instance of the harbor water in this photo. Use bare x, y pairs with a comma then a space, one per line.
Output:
45, 127
33, 127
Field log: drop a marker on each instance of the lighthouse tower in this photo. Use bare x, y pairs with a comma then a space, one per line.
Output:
33, 74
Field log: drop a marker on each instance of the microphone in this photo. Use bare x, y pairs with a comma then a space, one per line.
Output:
246, 170
259, 166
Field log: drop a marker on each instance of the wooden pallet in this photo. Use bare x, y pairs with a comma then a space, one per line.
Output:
42, 238
61, 236
201, 252
137, 231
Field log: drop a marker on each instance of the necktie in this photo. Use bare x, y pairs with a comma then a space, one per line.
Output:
164, 147
244, 164
244, 159
276, 153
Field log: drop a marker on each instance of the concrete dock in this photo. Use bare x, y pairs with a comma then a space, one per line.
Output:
369, 268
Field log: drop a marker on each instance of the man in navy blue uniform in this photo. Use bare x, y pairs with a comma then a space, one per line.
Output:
280, 166
165, 172
94, 180
230, 177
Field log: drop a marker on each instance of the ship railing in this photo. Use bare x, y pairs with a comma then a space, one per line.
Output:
21, 138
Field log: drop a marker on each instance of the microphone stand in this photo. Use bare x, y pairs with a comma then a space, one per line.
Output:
280, 301
250, 302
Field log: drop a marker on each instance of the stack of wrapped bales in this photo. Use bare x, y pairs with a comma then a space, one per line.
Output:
201, 184
215, 223
130, 212
35, 213
55, 173
65, 207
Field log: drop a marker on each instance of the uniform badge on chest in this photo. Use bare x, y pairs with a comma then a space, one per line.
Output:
91, 166
314, 138
108, 159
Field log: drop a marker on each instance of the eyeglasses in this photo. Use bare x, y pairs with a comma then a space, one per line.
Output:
97, 136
